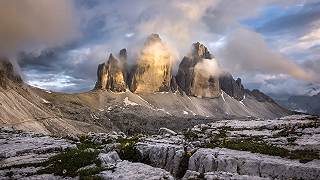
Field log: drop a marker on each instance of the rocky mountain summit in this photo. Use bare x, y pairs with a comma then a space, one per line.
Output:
113, 75
6, 73
153, 69
194, 81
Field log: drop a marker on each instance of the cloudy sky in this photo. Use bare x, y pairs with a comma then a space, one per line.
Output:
273, 45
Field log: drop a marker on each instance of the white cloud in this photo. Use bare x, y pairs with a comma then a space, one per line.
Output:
246, 52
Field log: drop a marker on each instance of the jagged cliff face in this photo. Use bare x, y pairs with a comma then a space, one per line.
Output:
113, 75
231, 87
153, 71
6, 73
194, 81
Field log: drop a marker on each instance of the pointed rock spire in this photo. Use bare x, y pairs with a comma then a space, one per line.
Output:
112, 76
153, 70
195, 82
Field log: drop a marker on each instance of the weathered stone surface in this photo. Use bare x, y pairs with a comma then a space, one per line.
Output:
133, 171
195, 82
164, 131
29, 148
109, 159
153, 70
230, 86
113, 75
164, 156
220, 175
246, 163
190, 174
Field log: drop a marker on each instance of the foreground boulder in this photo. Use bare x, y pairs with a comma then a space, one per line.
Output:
153, 70
197, 81
132, 171
164, 156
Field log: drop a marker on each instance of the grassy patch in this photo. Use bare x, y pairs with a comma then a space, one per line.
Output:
75, 103
191, 135
9, 174
87, 174
68, 162
130, 153
263, 148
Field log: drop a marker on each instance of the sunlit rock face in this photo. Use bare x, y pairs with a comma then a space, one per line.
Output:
199, 82
113, 75
153, 69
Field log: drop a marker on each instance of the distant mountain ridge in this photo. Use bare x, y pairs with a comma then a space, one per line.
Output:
305, 104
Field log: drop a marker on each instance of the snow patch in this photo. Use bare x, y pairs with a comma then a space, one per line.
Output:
45, 101
127, 102
223, 96
93, 116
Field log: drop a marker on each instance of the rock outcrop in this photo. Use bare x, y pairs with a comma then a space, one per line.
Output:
164, 156
153, 70
28, 147
231, 87
113, 75
6, 73
260, 96
194, 82
247, 163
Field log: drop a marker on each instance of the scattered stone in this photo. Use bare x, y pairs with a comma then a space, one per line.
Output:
109, 159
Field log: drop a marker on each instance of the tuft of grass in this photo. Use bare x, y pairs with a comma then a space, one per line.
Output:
183, 166
130, 153
9, 174
75, 103
88, 174
191, 135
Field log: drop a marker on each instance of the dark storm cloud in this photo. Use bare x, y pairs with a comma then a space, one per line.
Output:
297, 23
35, 24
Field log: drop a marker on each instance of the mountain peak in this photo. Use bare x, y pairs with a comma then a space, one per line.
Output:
152, 39
200, 50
